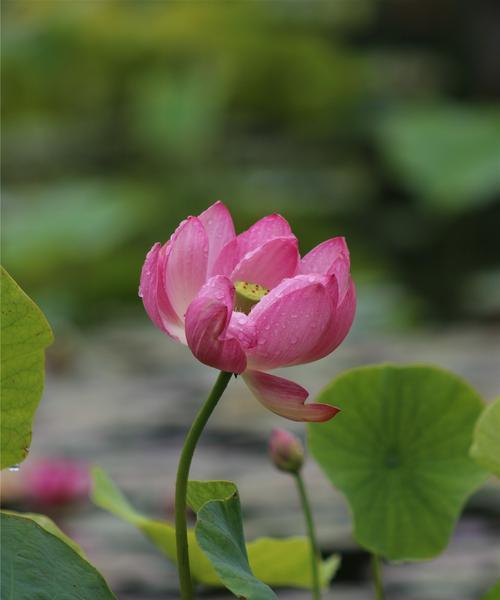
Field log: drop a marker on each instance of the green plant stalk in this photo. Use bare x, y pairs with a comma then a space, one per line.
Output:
306, 508
186, 587
377, 577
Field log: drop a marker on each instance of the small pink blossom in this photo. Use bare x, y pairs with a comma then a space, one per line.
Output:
57, 482
286, 451
249, 303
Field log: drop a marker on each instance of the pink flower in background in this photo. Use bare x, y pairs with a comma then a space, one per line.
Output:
249, 303
57, 482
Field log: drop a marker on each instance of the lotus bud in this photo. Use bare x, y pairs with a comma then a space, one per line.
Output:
286, 451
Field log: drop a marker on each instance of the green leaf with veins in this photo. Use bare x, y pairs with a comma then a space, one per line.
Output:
25, 333
486, 447
36, 563
219, 532
399, 451
278, 562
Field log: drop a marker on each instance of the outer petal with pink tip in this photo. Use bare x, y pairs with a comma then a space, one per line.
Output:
270, 263
186, 257
262, 231
286, 398
154, 297
290, 321
329, 258
219, 226
207, 321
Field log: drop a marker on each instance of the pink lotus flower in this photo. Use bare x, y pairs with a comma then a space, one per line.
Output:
249, 304
57, 481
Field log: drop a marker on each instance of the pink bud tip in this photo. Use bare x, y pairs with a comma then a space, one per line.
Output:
286, 451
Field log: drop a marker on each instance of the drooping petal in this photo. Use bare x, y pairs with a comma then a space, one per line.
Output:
321, 258
286, 398
220, 230
270, 263
207, 321
290, 321
154, 297
262, 231
186, 264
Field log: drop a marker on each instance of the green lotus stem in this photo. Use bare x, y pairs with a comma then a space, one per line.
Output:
306, 507
186, 587
377, 577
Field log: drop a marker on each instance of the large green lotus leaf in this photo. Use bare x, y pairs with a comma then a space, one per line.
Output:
24, 335
486, 446
448, 155
399, 451
37, 564
493, 593
280, 562
219, 532
50, 526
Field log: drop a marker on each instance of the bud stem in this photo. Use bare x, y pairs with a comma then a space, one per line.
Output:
377, 577
315, 555
192, 438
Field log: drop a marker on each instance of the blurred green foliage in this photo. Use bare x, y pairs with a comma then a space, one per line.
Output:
357, 118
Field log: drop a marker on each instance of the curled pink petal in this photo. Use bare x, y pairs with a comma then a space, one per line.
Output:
286, 398
219, 226
330, 258
262, 231
338, 328
242, 329
207, 321
227, 260
341, 269
290, 321
148, 287
154, 297
321, 258
270, 263
186, 264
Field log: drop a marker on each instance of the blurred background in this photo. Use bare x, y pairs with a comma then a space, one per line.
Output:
379, 121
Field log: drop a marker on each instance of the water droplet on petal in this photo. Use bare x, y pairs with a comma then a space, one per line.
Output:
15, 468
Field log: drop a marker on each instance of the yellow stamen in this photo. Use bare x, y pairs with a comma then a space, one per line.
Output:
247, 295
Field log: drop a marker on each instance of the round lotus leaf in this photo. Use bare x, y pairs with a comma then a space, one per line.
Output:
399, 451
486, 446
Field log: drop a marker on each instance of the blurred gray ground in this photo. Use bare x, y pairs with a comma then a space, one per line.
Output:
124, 397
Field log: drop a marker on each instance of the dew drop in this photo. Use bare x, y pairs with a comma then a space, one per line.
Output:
15, 468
